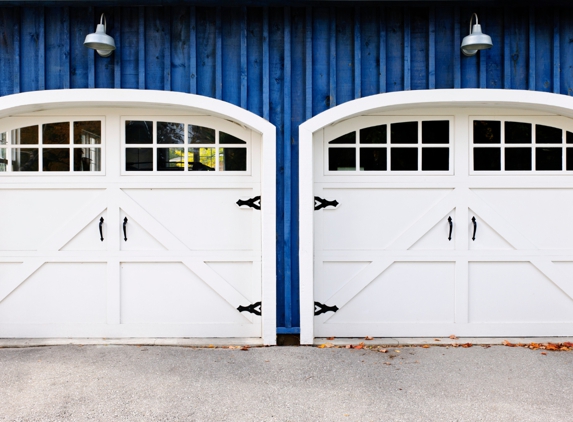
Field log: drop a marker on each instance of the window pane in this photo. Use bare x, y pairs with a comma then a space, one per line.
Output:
170, 159
25, 136
3, 138
87, 132
201, 159
139, 159
569, 138
87, 159
25, 159
435, 159
201, 135
349, 138
487, 159
373, 159
341, 159
548, 158
518, 159
138, 132
404, 159
487, 132
3, 160
435, 132
404, 133
517, 133
373, 135
56, 133
232, 159
548, 135
170, 133
56, 159
569, 158
225, 138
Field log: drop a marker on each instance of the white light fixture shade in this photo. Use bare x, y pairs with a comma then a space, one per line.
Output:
100, 41
476, 40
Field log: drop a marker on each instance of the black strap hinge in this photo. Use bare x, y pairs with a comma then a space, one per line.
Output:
252, 308
323, 203
252, 202
321, 308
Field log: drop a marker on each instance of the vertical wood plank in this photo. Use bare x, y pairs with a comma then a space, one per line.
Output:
556, 62
7, 51
369, 51
470, 66
456, 49
219, 57
344, 46
320, 60
154, 63
179, 41
407, 37
266, 65
255, 60
544, 50
444, 48
192, 50
116, 56
17, 52
206, 51
495, 56
244, 51
66, 47
167, 48
287, 163
231, 56
383, 59
41, 49
432, 48
357, 54
332, 73
506, 48
532, 69
483, 57
130, 52
519, 40
566, 53
103, 66
419, 48
395, 49
141, 47
308, 63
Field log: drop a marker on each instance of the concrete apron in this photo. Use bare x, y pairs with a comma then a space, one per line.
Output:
222, 342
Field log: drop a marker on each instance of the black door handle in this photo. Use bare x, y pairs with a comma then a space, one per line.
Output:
124, 229
451, 227
100, 228
475, 228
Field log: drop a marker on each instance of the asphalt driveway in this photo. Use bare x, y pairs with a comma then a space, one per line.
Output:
146, 383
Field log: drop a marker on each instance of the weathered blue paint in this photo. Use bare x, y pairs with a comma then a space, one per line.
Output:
286, 64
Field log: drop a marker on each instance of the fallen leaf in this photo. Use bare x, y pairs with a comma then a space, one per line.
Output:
534, 346
551, 346
211, 346
568, 344
368, 338
329, 345
455, 344
437, 339
360, 346
383, 350
466, 345
245, 348
349, 346
426, 346
453, 337
330, 338
508, 344
486, 346
387, 363
322, 346
397, 351
544, 354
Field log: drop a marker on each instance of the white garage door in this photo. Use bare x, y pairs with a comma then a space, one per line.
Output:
444, 222
124, 224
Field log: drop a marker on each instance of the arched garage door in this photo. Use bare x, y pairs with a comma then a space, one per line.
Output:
134, 222
438, 221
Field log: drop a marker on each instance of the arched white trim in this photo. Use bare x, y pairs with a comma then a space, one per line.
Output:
396, 101
82, 98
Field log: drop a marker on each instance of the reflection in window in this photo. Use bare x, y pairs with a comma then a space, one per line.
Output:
170, 133
517, 133
138, 132
87, 159
373, 135
87, 132
487, 132
232, 159
225, 138
201, 135
3, 160
25, 136
170, 159
25, 159
548, 135
56, 159
373, 159
139, 159
56, 133
201, 159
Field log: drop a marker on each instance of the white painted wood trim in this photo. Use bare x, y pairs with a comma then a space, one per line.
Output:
37, 101
384, 103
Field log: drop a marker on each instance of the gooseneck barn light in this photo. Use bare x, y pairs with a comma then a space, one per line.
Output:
476, 40
100, 41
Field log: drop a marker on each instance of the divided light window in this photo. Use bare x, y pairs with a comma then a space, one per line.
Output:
52, 147
178, 147
411, 146
511, 145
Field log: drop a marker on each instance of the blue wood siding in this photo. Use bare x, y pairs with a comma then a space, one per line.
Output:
286, 64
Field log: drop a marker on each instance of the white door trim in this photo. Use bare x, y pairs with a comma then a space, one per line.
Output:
384, 103
32, 102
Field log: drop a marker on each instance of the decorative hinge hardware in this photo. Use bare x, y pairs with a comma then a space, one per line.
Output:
321, 308
252, 308
323, 203
252, 202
